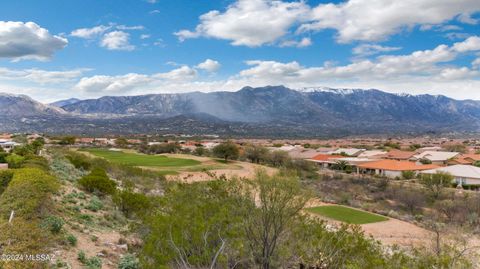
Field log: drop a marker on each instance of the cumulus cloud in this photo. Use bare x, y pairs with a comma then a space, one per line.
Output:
209, 65
117, 40
27, 40
89, 33
374, 20
372, 49
258, 22
250, 23
123, 84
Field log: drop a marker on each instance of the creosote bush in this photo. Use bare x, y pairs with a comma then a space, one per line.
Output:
98, 181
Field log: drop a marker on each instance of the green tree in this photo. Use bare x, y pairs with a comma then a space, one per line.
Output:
256, 153
194, 226
435, 183
67, 140
14, 160
226, 150
121, 142
274, 209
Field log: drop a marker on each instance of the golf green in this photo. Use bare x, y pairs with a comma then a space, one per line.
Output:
346, 214
135, 159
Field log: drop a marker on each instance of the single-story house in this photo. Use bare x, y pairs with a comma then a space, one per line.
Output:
3, 166
433, 148
436, 157
465, 159
325, 160
7, 145
462, 174
354, 152
302, 153
391, 168
372, 154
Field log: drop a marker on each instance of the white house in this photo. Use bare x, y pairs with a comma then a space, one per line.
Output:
353, 152
436, 157
7, 145
463, 174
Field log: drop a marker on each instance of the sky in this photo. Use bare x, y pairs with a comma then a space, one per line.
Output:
57, 49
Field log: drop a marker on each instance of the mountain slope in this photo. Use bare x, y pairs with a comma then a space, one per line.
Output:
265, 111
61, 103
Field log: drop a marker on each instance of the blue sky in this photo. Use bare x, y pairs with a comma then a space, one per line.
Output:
58, 49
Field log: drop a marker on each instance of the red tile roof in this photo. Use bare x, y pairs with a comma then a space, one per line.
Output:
394, 165
325, 157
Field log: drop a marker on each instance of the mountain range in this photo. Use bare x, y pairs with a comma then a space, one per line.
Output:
272, 111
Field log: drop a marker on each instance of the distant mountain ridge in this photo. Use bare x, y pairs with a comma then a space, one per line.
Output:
272, 110
61, 103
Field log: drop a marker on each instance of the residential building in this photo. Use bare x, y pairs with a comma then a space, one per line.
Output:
435, 157
7, 145
3, 166
391, 168
353, 152
462, 174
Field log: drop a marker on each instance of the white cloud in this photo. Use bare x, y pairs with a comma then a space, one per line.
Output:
372, 49
250, 23
117, 40
112, 84
22, 41
476, 63
258, 22
129, 28
209, 65
41, 76
144, 36
155, 11
374, 20
470, 44
304, 42
90, 33
124, 84
152, 1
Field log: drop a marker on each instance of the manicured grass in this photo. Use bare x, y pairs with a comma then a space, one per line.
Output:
135, 159
346, 214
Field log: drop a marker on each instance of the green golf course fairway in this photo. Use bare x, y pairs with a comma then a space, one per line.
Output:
346, 214
135, 159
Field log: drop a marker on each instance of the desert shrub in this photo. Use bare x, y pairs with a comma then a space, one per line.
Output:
408, 174
5, 178
160, 148
28, 193
410, 199
64, 169
132, 203
90, 263
25, 236
79, 160
98, 181
71, 239
3, 156
53, 223
35, 161
129, 261
95, 204
14, 160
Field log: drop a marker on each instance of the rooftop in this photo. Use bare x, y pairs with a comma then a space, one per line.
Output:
458, 170
394, 165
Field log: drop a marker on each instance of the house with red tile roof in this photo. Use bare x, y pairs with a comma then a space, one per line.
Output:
392, 168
